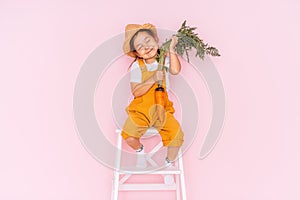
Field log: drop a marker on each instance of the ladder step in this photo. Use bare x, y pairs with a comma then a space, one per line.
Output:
133, 187
150, 171
156, 172
149, 132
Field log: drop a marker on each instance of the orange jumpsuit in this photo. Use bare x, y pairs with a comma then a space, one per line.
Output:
142, 115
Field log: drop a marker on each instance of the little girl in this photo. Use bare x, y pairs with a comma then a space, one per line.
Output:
141, 43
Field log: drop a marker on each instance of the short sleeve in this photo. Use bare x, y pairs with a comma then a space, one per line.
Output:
167, 62
135, 73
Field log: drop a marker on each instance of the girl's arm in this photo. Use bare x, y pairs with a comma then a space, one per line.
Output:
175, 65
139, 89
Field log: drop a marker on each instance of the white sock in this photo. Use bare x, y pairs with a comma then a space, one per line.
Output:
168, 162
141, 161
169, 178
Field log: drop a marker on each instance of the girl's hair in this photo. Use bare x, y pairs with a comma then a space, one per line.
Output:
132, 40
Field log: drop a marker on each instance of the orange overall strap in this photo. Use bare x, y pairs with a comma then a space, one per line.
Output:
142, 65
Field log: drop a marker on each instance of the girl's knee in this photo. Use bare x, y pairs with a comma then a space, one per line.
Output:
131, 139
133, 142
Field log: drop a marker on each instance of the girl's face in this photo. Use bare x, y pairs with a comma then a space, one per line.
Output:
145, 45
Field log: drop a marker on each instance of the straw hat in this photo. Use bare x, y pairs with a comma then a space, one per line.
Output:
130, 30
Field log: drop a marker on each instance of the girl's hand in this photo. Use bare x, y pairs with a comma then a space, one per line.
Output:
173, 43
158, 75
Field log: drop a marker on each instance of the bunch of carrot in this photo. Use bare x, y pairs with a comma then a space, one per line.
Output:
187, 39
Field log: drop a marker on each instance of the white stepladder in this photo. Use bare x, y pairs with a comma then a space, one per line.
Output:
120, 184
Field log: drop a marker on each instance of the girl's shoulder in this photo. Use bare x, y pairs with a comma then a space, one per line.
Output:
134, 65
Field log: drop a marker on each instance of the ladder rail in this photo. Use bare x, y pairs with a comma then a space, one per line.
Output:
116, 182
182, 181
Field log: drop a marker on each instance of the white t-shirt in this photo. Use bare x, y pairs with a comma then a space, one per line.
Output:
136, 73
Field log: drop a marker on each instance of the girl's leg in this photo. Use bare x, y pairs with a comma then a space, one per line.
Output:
133, 143
172, 136
172, 153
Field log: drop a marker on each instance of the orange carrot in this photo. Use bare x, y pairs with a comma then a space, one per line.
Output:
160, 96
160, 101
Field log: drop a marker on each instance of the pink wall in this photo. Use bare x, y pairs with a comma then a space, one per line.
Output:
43, 46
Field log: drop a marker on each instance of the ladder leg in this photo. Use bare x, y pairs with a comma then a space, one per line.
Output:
116, 178
115, 191
177, 187
182, 181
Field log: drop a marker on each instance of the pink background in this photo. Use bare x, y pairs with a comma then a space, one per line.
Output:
42, 48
